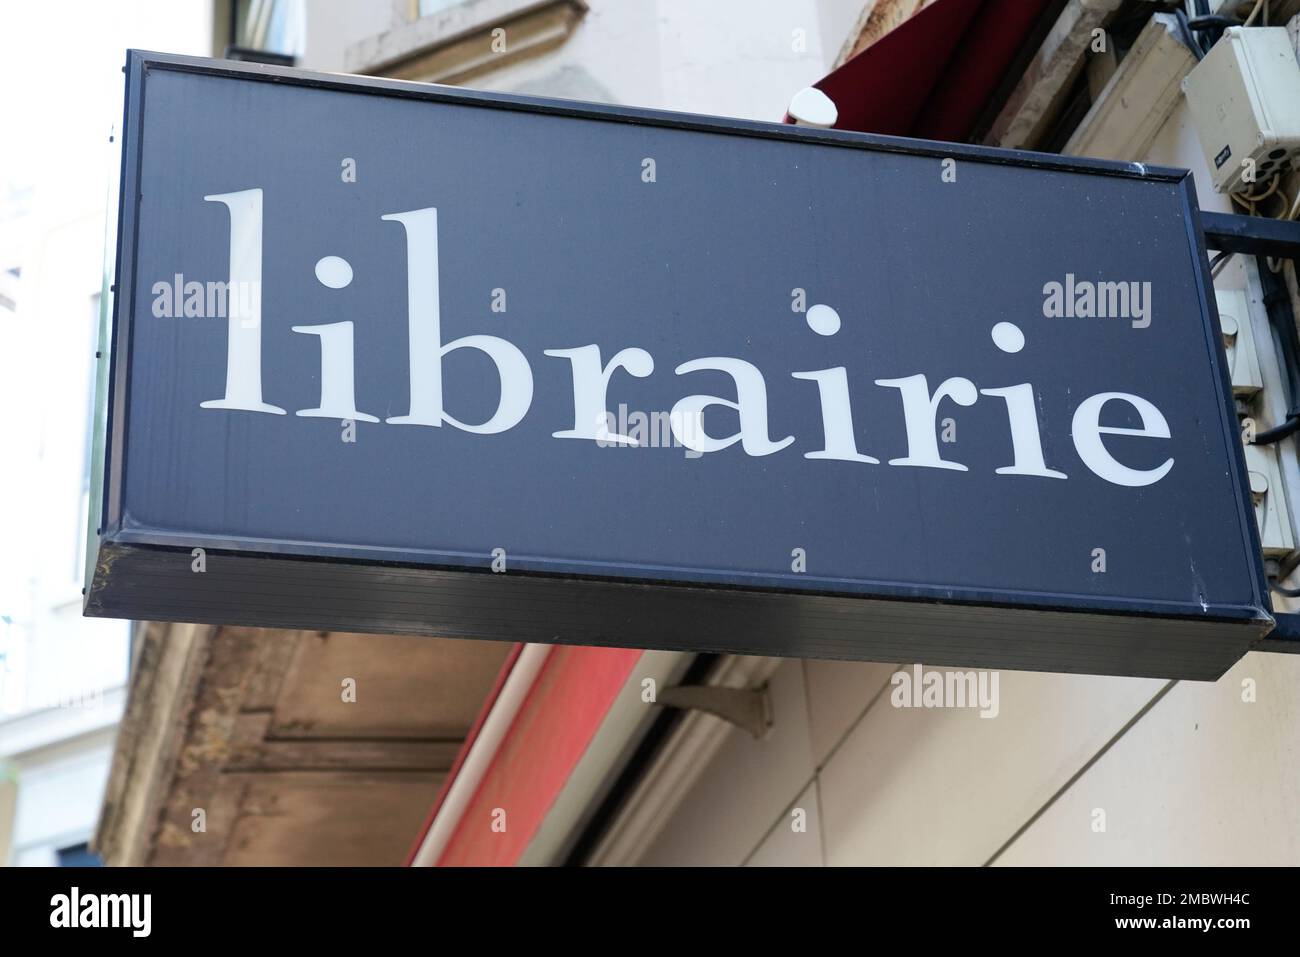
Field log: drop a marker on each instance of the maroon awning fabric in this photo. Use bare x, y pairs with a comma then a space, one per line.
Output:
932, 75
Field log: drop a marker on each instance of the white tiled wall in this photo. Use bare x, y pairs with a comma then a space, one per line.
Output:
1206, 778
1186, 773
795, 838
943, 786
838, 692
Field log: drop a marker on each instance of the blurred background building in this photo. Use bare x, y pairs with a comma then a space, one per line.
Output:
62, 677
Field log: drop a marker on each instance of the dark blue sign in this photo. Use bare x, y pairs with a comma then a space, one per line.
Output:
399, 357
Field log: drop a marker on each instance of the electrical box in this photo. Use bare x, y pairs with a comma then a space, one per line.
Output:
1239, 343
1244, 99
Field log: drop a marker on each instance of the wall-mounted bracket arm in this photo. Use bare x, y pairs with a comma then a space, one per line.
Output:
1256, 235
746, 708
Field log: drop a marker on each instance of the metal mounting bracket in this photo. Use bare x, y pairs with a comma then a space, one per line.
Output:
746, 708
1256, 235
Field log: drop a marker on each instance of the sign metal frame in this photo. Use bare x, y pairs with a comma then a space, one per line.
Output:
145, 574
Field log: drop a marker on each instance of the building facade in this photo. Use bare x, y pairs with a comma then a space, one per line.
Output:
62, 677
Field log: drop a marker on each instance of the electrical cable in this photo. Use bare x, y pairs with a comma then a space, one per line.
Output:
1189, 35
1290, 364
1281, 589
1248, 199
1281, 320
1259, 4
1200, 21
1211, 26
1272, 188
1211, 23
1269, 436
1287, 215
1286, 211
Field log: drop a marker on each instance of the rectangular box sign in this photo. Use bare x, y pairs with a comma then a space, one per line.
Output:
397, 357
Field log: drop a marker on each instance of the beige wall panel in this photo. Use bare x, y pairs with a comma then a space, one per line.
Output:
933, 786
1204, 778
786, 847
838, 693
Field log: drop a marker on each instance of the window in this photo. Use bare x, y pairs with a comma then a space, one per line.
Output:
268, 31
78, 855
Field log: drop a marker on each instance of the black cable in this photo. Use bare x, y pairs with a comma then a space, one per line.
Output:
1281, 320
1189, 37
1281, 589
1281, 323
1277, 434
1207, 24
1202, 30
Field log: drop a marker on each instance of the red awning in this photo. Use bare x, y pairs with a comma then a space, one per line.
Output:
559, 704
932, 76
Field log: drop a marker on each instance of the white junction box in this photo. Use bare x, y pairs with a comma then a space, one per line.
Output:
1239, 343
1244, 98
1271, 513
